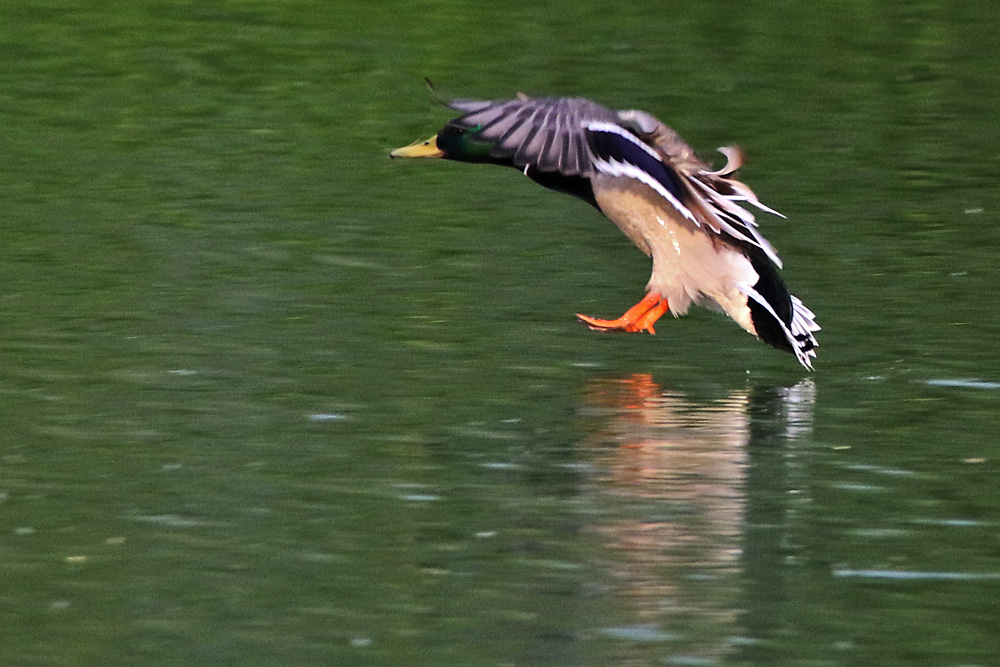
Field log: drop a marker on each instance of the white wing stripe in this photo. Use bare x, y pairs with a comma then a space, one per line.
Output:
616, 168
622, 132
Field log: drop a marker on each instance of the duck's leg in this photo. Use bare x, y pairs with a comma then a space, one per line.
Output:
639, 317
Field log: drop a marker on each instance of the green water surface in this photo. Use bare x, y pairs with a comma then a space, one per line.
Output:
270, 398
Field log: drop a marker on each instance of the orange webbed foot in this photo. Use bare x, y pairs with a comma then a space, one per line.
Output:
639, 317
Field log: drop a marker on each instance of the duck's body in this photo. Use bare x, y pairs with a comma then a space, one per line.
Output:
688, 218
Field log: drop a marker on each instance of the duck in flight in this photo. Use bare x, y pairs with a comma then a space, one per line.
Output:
689, 219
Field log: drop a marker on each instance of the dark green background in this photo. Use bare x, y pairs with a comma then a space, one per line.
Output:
270, 398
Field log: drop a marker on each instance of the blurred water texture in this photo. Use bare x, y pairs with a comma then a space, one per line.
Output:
271, 398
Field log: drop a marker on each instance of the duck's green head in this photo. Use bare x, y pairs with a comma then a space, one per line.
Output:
453, 142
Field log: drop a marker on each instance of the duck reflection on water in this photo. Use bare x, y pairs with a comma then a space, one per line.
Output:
681, 487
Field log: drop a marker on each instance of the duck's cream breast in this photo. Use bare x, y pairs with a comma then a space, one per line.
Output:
690, 263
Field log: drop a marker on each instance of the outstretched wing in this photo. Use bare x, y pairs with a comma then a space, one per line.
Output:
544, 133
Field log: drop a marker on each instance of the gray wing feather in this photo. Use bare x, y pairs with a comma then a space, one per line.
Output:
494, 121
469, 106
544, 133
548, 156
577, 156
519, 135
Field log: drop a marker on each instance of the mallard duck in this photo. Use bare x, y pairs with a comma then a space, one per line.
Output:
688, 218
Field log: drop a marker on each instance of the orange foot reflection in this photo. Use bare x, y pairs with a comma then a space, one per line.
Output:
639, 317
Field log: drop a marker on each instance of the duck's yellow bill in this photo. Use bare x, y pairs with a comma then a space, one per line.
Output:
428, 148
